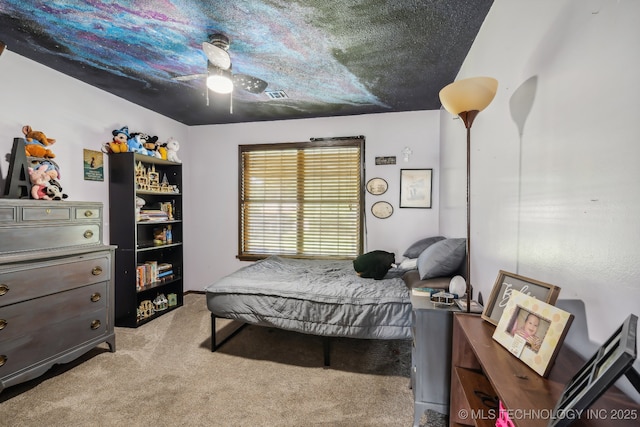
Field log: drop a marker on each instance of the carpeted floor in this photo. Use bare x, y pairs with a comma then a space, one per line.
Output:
163, 374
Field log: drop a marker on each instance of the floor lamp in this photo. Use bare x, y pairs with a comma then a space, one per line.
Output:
466, 98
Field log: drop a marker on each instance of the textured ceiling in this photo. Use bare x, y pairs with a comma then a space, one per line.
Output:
330, 58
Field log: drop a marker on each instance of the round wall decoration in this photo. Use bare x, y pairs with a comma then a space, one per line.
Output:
382, 210
377, 186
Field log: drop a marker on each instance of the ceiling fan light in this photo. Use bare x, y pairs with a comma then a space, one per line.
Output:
220, 83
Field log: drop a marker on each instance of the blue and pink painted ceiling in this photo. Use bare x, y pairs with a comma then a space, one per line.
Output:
320, 58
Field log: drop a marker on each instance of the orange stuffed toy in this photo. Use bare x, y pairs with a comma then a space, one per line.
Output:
36, 143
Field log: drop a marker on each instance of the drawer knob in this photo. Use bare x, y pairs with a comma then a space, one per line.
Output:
96, 297
95, 324
96, 271
3, 359
88, 214
88, 234
3, 324
3, 289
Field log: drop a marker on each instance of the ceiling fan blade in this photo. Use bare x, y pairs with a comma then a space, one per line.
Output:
217, 55
249, 83
189, 77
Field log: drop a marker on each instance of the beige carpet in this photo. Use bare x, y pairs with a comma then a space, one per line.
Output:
163, 374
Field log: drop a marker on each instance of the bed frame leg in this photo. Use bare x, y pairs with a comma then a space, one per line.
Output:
326, 347
215, 346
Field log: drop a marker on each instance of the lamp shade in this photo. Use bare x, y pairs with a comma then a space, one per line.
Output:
220, 81
472, 94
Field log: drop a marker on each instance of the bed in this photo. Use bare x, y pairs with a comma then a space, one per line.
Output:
318, 297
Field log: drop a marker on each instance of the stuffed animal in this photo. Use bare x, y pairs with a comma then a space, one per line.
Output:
135, 144
172, 146
36, 143
374, 264
54, 191
40, 180
52, 167
119, 142
150, 143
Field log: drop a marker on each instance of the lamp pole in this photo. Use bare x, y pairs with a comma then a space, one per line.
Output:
467, 117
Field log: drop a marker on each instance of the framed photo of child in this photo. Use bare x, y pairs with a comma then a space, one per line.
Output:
532, 330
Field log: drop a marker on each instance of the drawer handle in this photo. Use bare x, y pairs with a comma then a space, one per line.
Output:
96, 271
95, 324
88, 214
3, 324
96, 297
48, 211
3, 359
3, 289
88, 234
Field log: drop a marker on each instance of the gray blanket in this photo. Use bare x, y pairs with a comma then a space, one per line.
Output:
316, 297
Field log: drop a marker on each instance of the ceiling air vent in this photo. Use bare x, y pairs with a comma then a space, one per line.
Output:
276, 94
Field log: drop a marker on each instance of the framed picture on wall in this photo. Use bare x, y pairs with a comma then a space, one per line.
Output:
415, 188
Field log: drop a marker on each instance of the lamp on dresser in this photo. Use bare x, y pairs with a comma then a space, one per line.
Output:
466, 98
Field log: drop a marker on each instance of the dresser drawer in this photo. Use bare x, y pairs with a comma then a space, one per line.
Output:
46, 237
41, 328
8, 214
30, 316
88, 213
62, 213
20, 282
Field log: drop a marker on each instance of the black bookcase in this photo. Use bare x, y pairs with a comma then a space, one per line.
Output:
141, 236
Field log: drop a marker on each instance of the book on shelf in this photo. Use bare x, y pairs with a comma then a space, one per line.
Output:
164, 267
476, 307
165, 274
153, 215
424, 292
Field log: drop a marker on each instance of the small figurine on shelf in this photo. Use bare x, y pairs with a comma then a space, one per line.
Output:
160, 303
140, 202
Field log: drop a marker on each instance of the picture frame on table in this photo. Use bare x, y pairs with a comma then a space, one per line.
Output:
415, 188
506, 283
532, 330
613, 359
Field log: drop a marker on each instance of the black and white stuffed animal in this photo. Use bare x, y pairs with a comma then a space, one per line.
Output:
54, 190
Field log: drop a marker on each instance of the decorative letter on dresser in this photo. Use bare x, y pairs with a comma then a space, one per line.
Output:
56, 288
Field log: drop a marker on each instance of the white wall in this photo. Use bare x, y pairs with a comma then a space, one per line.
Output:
78, 116
555, 171
212, 234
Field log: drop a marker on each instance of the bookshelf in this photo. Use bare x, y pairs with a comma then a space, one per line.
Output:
148, 236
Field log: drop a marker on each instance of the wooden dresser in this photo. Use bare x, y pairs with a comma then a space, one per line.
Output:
481, 369
56, 285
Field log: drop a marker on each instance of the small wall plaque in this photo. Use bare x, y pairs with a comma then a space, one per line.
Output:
388, 160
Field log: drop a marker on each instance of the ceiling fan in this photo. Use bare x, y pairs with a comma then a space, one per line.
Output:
219, 77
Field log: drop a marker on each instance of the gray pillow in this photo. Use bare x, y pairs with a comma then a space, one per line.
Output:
418, 247
443, 258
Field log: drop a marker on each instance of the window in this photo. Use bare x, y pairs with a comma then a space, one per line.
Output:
303, 200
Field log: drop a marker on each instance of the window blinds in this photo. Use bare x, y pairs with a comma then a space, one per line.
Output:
301, 199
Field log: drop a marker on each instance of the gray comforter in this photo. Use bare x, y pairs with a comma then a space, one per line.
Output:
315, 297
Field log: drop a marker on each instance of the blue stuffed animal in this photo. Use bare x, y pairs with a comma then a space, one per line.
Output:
136, 145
